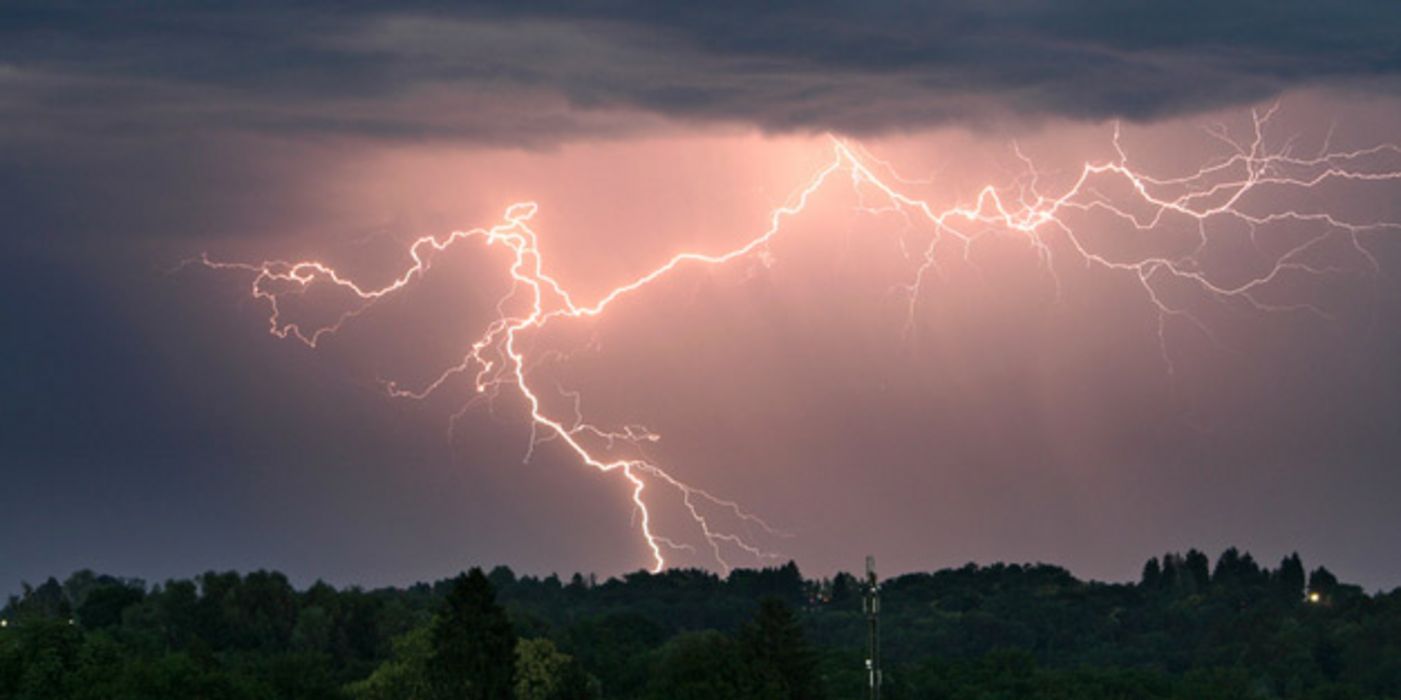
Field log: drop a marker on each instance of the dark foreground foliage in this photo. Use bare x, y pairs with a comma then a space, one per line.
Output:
1186, 630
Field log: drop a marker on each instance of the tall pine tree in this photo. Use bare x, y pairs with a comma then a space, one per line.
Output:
474, 646
784, 666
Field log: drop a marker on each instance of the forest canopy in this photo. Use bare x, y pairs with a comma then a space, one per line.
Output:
1189, 628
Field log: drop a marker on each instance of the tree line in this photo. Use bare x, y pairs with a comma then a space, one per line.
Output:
1187, 629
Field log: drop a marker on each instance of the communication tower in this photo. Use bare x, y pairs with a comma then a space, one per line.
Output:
871, 605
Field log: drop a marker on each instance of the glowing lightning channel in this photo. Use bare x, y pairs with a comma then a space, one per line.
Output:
1216, 190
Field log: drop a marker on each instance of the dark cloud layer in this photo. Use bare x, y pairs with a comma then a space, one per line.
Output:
533, 72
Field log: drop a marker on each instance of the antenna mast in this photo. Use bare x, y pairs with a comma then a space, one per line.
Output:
871, 606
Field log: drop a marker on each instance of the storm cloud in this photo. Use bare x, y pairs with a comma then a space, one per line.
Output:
533, 73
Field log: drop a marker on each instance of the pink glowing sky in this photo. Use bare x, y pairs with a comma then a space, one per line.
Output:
1027, 414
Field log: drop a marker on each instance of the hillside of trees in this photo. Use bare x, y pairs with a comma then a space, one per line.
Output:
1188, 629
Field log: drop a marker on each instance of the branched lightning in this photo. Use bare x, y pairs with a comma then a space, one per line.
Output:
497, 360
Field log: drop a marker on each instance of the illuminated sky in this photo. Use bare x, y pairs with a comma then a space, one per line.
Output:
1027, 400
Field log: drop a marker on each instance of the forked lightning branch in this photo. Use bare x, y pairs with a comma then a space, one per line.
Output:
498, 360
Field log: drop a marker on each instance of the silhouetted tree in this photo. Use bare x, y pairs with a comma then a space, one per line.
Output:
1322, 581
102, 606
47, 602
577, 587
1236, 569
501, 577
784, 666
784, 582
474, 646
1197, 567
844, 588
1152, 577
1289, 580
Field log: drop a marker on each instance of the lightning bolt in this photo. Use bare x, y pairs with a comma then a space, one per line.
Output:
497, 360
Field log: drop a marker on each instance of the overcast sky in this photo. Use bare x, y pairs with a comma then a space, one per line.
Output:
1019, 409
